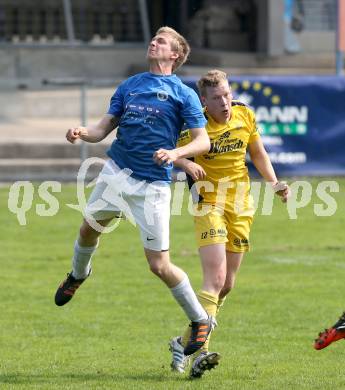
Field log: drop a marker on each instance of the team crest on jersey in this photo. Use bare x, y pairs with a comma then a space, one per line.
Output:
162, 96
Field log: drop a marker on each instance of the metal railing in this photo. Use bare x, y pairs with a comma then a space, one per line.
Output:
320, 15
84, 21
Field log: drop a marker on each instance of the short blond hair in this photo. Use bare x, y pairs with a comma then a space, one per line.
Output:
180, 45
211, 79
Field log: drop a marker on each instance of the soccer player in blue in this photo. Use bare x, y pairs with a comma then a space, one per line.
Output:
149, 110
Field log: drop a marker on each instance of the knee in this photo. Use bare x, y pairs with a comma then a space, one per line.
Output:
87, 235
157, 268
84, 231
214, 282
219, 281
159, 263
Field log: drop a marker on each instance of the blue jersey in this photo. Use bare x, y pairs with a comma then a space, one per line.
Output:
152, 110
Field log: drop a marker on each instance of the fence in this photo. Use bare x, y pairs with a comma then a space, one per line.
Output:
320, 15
91, 21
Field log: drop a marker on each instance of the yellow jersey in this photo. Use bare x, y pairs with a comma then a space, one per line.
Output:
226, 159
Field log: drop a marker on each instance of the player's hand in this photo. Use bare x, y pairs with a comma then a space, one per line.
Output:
194, 170
164, 156
75, 133
282, 189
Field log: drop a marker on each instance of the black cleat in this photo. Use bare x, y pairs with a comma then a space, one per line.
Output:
199, 334
67, 289
206, 361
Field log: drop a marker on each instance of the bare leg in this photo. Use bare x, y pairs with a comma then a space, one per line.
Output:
161, 266
178, 282
88, 236
213, 261
233, 262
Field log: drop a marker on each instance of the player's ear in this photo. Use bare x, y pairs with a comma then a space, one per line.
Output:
174, 55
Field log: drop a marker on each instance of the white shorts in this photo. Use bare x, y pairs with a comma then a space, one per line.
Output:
147, 205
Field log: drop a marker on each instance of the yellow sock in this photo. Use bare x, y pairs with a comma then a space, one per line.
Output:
210, 303
220, 303
186, 335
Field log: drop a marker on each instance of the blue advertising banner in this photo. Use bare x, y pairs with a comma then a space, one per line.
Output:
301, 119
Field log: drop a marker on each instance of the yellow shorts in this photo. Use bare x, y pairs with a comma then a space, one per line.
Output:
224, 226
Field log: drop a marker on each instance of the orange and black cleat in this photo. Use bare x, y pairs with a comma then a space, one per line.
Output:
330, 335
199, 334
67, 289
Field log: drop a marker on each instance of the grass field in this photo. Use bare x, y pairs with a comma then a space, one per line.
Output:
115, 332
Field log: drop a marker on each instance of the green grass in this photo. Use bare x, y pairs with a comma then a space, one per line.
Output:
114, 334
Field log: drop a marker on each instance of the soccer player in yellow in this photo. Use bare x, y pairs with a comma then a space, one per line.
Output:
224, 212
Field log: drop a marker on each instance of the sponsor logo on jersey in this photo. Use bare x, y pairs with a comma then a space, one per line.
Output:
219, 147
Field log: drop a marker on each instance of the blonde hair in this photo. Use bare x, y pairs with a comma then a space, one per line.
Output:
179, 44
211, 79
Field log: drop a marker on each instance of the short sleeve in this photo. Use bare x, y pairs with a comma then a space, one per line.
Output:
117, 102
254, 132
192, 111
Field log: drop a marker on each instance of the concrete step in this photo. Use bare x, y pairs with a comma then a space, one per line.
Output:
197, 71
42, 131
43, 169
62, 102
36, 149
247, 61
15, 151
28, 64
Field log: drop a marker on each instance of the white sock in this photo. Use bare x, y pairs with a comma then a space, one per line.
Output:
81, 264
185, 296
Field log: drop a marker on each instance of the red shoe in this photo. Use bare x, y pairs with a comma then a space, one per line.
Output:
335, 333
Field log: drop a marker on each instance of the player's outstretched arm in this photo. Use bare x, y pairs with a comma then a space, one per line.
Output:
264, 166
193, 169
93, 133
